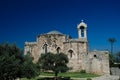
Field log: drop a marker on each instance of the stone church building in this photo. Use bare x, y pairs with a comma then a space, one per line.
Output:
80, 58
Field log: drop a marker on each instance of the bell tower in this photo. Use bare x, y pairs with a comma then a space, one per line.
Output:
82, 30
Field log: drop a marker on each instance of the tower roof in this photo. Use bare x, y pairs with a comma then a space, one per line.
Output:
82, 24
55, 32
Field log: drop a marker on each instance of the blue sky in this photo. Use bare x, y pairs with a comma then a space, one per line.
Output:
23, 20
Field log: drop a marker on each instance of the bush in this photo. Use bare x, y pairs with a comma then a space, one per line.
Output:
89, 79
66, 78
82, 71
115, 65
119, 66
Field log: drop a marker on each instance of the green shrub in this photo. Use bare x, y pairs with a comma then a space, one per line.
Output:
89, 79
115, 65
82, 71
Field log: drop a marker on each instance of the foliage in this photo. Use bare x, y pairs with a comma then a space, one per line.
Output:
13, 65
112, 40
118, 54
46, 61
61, 61
28, 68
118, 57
117, 60
111, 56
10, 58
111, 59
89, 79
54, 62
115, 65
82, 71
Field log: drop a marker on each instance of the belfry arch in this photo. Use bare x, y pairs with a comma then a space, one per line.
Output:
82, 30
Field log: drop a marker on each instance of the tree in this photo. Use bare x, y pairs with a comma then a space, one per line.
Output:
118, 57
29, 69
55, 62
46, 61
111, 59
119, 54
13, 65
9, 61
112, 40
61, 61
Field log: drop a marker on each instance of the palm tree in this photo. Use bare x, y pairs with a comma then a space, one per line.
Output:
112, 40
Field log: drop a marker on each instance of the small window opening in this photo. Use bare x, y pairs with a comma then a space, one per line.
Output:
58, 50
45, 47
70, 53
95, 56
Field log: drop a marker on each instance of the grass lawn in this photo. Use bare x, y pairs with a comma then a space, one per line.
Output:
71, 74
68, 74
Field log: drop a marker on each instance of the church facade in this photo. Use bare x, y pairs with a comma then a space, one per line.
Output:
77, 50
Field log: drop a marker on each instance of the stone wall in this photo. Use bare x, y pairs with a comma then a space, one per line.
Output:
53, 42
32, 49
96, 62
115, 71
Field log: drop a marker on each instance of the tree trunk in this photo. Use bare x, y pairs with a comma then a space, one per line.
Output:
111, 48
56, 74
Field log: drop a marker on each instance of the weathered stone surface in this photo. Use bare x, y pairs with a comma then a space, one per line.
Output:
115, 71
107, 77
77, 50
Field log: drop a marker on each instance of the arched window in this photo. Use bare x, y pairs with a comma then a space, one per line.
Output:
58, 50
82, 31
70, 53
45, 47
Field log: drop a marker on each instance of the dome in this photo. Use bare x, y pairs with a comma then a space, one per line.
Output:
55, 32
